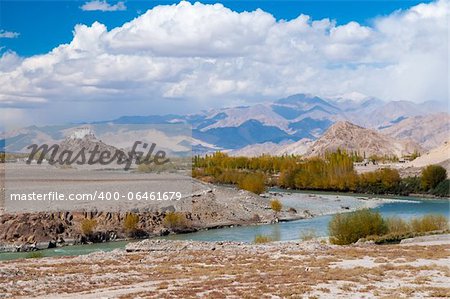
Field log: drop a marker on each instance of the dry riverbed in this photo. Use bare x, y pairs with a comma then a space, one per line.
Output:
185, 269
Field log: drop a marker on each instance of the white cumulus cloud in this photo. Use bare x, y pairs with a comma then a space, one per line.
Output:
188, 56
102, 5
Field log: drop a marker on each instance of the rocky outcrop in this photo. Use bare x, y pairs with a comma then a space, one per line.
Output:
30, 231
352, 138
213, 207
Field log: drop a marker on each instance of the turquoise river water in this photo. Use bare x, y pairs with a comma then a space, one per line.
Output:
406, 207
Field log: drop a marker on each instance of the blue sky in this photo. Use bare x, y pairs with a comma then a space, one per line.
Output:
43, 25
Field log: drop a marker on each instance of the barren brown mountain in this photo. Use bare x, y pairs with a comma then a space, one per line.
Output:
352, 138
430, 131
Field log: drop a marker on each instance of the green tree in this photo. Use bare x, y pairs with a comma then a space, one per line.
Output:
443, 189
432, 175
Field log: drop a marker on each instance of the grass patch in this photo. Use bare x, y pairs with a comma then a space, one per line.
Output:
261, 239
35, 255
308, 235
367, 225
429, 223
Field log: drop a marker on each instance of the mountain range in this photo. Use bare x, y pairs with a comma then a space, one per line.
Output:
287, 125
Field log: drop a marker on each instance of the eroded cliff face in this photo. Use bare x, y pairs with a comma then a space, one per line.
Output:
213, 207
66, 227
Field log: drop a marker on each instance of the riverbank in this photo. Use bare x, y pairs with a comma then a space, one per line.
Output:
322, 203
207, 206
225, 213
219, 269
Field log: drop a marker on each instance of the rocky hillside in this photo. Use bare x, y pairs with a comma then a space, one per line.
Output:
86, 143
430, 131
353, 138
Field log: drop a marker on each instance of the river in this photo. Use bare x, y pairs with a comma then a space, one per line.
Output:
404, 207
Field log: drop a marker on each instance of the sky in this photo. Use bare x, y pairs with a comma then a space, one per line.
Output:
71, 61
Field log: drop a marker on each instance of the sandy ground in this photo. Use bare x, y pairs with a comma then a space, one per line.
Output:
182, 269
434, 156
439, 156
326, 204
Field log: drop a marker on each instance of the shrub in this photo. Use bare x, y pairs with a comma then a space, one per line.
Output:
429, 223
432, 175
409, 185
350, 227
253, 183
399, 229
174, 220
261, 239
130, 223
308, 235
443, 189
397, 225
276, 205
88, 226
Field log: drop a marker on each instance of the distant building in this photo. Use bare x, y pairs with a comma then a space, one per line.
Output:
80, 133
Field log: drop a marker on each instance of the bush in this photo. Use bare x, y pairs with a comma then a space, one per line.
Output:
253, 183
308, 235
88, 226
397, 225
409, 185
398, 229
432, 175
276, 205
261, 239
443, 189
130, 223
350, 227
429, 223
174, 220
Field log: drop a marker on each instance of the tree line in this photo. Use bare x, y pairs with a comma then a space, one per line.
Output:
333, 172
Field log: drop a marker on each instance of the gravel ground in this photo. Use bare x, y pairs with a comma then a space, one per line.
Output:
184, 269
